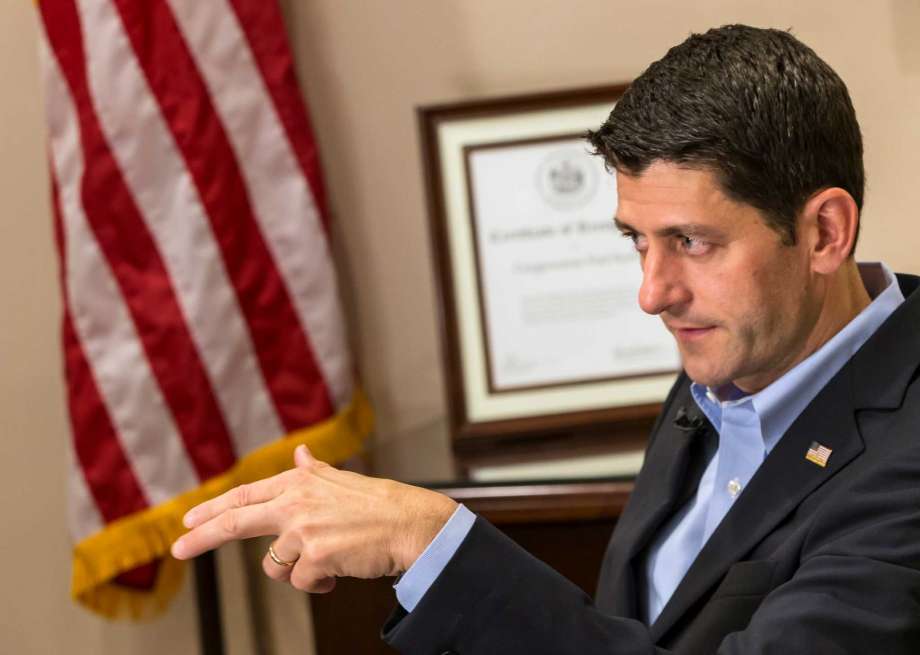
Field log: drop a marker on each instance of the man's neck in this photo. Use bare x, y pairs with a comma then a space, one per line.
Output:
845, 297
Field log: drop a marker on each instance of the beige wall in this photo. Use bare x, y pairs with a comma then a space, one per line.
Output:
366, 65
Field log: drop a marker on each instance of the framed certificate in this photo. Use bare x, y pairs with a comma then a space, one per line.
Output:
541, 329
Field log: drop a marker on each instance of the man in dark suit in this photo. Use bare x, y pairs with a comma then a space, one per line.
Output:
778, 509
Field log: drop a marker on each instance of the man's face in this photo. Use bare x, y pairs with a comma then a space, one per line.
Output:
739, 303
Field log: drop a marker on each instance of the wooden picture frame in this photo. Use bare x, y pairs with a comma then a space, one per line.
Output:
531, 345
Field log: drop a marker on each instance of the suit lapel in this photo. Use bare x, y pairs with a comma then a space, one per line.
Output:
784, 480
660, 489
669, 461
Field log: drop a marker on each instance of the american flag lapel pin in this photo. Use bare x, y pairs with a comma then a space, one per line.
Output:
818, 454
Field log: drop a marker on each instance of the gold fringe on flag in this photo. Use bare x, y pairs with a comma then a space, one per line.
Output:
143, 537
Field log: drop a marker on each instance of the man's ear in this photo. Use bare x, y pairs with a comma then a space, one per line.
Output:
829, 222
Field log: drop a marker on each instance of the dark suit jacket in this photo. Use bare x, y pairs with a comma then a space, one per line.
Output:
808, 560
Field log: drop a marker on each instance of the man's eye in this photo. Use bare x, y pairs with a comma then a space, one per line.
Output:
692, 245
638, 242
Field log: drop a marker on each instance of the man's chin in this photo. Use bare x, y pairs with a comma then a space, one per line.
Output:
705, 376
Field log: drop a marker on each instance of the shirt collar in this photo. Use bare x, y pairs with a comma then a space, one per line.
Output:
780, 403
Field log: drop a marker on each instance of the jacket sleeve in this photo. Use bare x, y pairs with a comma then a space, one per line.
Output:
494, 597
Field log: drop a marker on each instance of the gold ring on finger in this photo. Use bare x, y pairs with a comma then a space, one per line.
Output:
277, 560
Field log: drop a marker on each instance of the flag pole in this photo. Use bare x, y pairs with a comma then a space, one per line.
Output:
210, 630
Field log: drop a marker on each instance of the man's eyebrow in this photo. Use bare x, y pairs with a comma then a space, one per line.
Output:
686, 229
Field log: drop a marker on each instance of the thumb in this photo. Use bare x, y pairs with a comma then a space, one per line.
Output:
303, 457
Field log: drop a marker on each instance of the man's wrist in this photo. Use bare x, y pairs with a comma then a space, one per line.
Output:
412, 585
423, 525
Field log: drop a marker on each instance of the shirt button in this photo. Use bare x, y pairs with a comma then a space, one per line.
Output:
734, 487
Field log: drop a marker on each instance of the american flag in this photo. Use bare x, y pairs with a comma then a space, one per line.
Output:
202, 332
818, 454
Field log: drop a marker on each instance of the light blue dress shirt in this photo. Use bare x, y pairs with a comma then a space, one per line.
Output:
749, 427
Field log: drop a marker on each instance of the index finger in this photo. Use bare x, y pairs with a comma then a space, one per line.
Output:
244, 495
232, 525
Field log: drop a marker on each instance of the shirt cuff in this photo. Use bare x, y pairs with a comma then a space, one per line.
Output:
421, 575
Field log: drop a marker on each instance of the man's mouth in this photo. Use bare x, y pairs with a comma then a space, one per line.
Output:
690, 333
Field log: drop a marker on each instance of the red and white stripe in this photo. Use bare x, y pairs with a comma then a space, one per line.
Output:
265, 152
202, 318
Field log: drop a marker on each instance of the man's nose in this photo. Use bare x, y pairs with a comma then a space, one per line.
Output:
663, 286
